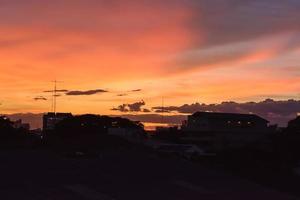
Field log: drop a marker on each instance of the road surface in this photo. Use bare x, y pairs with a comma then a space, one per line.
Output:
128, 175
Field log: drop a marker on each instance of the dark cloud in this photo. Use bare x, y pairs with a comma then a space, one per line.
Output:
275, 111
129, 91
145, 110
134, 107
121, 108
63, 90
122, 95
162, 111
87, 92
165, 109
233, 29
136, 90
40, 98
233, 21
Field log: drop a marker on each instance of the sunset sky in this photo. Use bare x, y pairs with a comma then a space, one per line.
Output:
109, 53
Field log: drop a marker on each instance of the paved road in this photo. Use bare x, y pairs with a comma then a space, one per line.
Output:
43, 175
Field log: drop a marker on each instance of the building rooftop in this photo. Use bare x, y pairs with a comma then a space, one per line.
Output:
229, 116
52, 114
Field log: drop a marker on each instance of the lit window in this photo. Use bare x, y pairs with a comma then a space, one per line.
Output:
239, 122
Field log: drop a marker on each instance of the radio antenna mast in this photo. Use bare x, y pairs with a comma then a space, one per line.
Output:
162, 110
54, 95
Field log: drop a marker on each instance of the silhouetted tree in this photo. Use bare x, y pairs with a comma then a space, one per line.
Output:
294, 126
10, 136
88, 131
92, 124
6, 128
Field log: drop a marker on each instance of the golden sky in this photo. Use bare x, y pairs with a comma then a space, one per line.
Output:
185, 51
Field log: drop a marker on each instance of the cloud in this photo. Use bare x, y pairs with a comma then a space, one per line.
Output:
122, 95
62, 90
87, 92
76, 92
136, 43
238, 32
237, 54
136, 90
162, 111
126, 94
134, 107
232, 21
145, 110
275, 111
40, 98
121, 108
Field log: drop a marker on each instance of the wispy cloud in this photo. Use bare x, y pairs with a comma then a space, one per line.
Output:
40, 98
50, 91
122, 95
145, 110
136, 90
86, 92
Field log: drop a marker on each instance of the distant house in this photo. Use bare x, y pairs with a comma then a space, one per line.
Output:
220, 130
51, 119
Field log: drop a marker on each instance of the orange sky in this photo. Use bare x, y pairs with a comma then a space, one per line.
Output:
183, 50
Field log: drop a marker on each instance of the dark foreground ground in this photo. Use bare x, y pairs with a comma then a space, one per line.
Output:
32, 174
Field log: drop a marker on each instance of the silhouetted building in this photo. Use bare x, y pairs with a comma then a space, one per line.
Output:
20, 125
220, 130
170, 134
212, 121
51, 119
